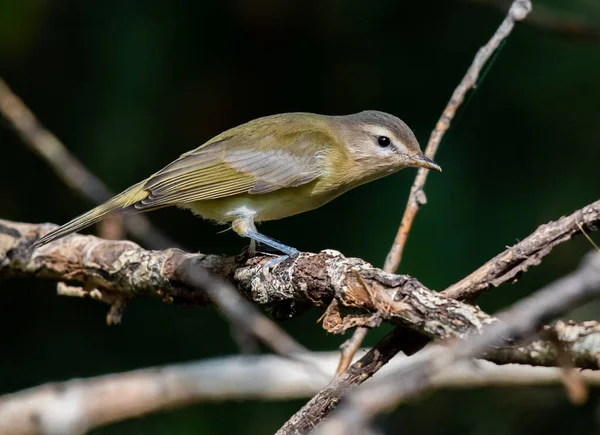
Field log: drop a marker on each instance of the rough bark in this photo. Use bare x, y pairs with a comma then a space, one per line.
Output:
353, 292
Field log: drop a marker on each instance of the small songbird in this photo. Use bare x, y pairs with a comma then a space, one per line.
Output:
270, 168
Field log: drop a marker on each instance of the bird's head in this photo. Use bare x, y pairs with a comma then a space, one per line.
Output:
382, 143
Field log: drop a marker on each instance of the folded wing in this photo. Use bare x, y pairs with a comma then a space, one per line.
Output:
230, 166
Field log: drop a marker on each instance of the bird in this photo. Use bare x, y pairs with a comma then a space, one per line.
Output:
270, 168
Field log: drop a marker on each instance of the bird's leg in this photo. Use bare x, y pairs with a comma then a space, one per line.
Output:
246, 228
261, 238
287, 250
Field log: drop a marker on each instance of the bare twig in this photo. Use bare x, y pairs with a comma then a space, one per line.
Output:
517, 12
508, 265
556, 22
238, 310
328, 398
69, 169
319, 406
75, 406
417, 198
518, 322
350, 347
589, 239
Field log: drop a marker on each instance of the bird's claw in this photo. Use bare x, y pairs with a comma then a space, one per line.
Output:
273, 262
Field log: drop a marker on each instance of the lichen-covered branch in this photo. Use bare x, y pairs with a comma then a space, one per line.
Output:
519, 321
352, 292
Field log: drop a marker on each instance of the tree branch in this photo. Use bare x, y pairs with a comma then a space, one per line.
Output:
354, 292
540, 242
121, 267
76, 406
543, 351
508, 265
518, 322
71, 171
416, 199
556, 21
517, 12
238, 310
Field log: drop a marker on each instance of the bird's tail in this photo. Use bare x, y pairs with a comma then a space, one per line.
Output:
121, 201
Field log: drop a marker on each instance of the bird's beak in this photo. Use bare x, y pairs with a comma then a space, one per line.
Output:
423, 161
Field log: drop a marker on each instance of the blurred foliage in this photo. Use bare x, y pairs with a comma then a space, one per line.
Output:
128, 86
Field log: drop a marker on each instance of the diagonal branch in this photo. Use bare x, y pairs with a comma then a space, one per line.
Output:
238, 310
508, 265
70, 170
517, 12
559, 22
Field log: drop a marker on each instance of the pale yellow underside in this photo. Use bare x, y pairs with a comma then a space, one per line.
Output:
264, 207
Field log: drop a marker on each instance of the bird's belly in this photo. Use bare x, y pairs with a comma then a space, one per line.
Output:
263, 207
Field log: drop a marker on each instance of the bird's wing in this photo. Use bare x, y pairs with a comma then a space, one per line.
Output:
230, 166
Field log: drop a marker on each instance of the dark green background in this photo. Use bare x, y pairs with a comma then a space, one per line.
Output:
129, 86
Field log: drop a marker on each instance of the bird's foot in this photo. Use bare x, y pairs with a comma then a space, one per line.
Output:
273, 262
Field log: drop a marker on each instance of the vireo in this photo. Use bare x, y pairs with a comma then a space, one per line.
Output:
268, 169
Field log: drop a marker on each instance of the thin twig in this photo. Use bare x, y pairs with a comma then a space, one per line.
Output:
589, 239
417, 197
522, 320
508, 265
556, 22
70, 170
239, 311
517, 12
350, 347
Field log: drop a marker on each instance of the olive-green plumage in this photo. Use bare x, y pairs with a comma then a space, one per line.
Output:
270, 168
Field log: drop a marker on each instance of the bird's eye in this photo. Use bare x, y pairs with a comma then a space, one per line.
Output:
384, 141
